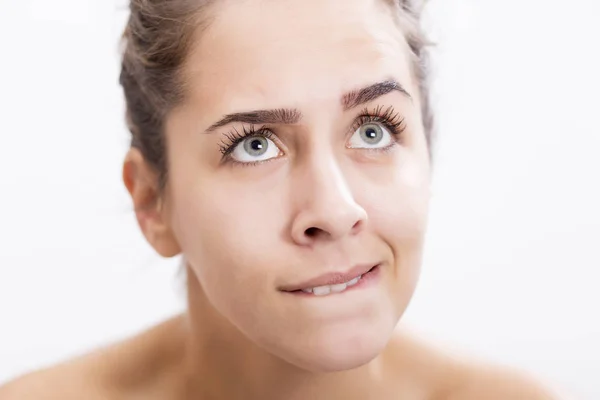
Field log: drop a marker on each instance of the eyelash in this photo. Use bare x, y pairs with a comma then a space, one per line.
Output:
388, 117
233, 138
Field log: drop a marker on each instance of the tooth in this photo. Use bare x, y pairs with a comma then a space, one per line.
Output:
321, 290
309, 290
354, 281
338, 288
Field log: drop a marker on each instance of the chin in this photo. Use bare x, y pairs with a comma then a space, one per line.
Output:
334, 353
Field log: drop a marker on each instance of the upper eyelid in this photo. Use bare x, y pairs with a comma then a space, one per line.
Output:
367, 112
382, 114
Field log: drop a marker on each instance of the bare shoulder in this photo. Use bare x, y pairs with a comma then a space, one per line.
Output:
441, 374
69, 380
118, 371
494, 382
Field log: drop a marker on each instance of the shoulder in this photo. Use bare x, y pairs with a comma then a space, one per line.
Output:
441, 374
68, 381
494, 382
118, 371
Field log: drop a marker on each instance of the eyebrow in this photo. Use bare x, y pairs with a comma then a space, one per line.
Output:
349, 100
361, 96
278, 116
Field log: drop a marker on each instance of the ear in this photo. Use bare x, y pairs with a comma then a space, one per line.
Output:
141, 182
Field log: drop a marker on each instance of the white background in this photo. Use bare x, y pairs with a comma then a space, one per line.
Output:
513, 257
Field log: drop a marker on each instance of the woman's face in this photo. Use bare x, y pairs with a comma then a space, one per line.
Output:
332, 178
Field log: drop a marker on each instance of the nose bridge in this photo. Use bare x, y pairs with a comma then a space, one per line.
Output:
330, 182
327, 207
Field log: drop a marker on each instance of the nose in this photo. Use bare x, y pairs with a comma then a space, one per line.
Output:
327, 208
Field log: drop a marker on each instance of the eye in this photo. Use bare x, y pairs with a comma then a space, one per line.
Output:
371, 136
255, 148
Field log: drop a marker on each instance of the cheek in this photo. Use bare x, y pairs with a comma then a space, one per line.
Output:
231, 239
398, 214
229, 235
397, 200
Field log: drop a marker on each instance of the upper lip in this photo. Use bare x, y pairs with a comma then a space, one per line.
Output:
331, 278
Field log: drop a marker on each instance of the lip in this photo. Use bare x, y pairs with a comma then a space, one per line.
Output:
331, 278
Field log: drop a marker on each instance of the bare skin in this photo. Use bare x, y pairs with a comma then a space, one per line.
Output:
149, 366
339, 184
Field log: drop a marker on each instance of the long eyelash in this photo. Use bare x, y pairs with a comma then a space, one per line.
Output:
386, 116
234, 137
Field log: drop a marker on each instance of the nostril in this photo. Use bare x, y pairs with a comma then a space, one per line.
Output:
311, 232
358, 225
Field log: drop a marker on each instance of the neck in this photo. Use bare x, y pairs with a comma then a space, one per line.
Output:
221, 363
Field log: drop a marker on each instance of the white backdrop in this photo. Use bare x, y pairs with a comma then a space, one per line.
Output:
513, 256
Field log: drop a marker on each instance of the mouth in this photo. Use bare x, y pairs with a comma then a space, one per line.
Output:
351, 284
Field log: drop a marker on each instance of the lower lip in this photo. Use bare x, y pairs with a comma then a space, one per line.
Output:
366, 280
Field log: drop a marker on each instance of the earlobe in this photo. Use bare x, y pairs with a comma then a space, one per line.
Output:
141, 182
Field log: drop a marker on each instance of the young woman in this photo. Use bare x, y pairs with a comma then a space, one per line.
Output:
283, 148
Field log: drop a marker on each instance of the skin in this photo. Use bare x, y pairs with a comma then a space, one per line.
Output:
326, 200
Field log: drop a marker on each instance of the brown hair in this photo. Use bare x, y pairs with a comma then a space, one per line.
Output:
156, 41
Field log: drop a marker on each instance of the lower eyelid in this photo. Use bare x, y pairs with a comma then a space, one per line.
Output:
393, 144
251, 163
390, 146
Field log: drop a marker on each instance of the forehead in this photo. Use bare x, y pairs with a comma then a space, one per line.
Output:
268, 54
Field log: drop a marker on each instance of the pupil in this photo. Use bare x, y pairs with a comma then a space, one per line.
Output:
256, 145
371, 133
